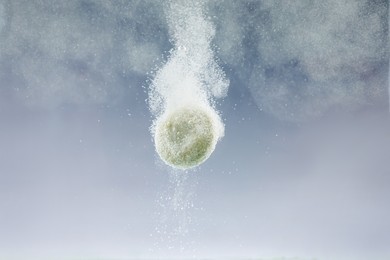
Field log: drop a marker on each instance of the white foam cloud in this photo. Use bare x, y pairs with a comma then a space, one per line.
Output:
308, 57
2, 17
77, 51
298, 59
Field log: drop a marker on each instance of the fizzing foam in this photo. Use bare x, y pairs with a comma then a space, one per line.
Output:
187, 126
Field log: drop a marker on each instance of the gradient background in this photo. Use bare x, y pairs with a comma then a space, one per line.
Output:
303, 169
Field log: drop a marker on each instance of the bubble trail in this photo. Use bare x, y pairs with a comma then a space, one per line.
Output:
181, 97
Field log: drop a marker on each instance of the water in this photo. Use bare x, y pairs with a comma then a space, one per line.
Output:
302, 170
176, 227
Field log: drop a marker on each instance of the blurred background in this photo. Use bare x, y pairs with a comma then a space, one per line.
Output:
303, 169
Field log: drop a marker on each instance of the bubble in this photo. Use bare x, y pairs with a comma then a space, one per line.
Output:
186, 137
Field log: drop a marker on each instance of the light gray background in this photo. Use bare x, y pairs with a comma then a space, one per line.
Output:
303, 169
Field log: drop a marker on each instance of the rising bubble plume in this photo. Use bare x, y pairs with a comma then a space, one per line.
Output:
187, 125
